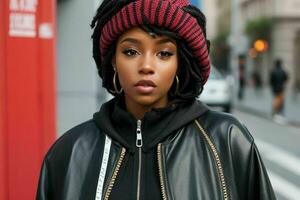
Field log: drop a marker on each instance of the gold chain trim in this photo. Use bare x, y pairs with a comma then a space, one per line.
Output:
217, 159
115, 174
161, 176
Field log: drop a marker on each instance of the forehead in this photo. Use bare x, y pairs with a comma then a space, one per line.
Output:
138, 35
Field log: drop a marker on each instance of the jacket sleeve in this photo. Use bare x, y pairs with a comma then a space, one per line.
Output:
43, 185
250, 175
259, 185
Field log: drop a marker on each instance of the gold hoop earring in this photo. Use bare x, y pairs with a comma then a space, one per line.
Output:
177, 85
115, 85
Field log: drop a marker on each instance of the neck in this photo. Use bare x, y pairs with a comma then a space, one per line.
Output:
139, 110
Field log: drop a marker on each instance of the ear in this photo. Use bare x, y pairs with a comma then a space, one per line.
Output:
113, 62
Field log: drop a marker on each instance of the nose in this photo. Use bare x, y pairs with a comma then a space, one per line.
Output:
147, 65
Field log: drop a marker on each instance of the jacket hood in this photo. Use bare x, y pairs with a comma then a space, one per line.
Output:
157, 124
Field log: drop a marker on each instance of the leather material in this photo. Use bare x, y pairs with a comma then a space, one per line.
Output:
71, 167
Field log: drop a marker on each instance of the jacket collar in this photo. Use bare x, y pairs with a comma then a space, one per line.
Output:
156, 126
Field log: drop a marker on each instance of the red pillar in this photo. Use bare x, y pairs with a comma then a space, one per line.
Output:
27, 91
3, 139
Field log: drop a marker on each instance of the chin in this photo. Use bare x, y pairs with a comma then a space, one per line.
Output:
147, 101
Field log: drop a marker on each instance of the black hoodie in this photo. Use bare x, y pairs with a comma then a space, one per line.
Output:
139, 171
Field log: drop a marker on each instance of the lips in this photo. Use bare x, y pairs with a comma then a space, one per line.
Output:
145, 87
145, 83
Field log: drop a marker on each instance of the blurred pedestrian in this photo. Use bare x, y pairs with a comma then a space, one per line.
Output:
257, 82
154, 140
242, 77
278, 79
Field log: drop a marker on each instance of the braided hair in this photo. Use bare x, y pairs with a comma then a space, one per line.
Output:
189, 73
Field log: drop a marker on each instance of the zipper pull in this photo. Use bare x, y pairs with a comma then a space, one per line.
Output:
139, 140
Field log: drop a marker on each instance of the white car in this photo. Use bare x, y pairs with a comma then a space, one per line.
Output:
218, 91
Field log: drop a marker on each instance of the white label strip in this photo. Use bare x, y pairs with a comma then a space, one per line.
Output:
103, 168
22, 33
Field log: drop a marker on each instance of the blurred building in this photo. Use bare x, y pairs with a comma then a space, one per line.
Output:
281, 19
218, 14
209, 8
223, 15
284, 38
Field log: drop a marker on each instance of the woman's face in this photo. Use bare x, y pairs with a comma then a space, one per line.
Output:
146, 67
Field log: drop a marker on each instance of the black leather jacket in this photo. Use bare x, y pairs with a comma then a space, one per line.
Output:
210, 157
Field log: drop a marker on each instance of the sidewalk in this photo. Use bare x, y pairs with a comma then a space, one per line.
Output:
260, 103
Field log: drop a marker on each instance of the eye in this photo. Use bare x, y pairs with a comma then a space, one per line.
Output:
130, 52
165, 54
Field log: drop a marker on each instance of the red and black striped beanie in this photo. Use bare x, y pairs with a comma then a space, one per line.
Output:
167, 14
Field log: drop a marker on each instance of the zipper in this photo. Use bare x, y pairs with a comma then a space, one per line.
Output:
139, 139
115, 174
139, 145
161, 174
218, 161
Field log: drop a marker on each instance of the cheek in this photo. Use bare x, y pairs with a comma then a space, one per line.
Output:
125, 70
126, 76
169, 73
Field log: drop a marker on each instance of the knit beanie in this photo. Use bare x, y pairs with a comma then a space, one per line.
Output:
165, 14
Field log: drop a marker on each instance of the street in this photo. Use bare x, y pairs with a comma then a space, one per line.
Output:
279, 148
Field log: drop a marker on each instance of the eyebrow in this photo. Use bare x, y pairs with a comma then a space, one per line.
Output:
166, 40
131, 40
135, 41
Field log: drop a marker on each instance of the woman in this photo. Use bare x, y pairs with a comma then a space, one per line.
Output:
153, 140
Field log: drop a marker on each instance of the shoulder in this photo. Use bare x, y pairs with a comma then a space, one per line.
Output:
224, 127
230, 136
80, 137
